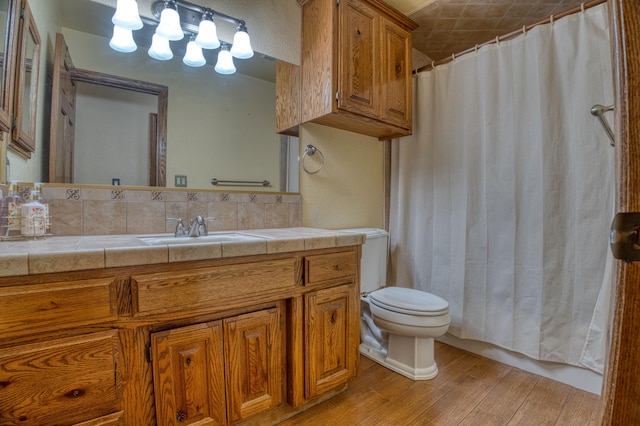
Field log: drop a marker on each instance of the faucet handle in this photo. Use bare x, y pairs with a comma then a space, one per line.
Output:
180, 229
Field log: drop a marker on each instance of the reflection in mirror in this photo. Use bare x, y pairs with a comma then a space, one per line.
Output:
218, 126
24, 133
26, 90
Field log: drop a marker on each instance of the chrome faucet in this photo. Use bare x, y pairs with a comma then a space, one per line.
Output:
197, 227
180, 229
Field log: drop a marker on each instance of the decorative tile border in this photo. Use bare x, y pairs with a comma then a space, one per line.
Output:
80, 210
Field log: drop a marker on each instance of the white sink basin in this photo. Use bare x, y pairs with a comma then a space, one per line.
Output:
217, 237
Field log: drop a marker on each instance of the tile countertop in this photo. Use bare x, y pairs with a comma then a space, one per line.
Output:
65, 254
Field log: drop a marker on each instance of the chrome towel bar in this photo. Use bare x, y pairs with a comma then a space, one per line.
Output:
265, 182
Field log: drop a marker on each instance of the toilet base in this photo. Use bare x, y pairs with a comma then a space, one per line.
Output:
413, 357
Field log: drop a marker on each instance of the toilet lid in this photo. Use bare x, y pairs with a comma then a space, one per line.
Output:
409, 301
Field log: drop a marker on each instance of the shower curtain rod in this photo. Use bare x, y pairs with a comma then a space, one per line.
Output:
513, 34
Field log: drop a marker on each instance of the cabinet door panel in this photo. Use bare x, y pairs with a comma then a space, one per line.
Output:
254, 363
396, 75
188, 375
59, 382
358, 62
332, 338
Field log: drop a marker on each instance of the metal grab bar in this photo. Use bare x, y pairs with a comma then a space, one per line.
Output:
264, 183
597, 110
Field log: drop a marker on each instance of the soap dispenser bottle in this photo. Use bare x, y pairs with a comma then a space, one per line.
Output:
10, 212
47, 218
33, 218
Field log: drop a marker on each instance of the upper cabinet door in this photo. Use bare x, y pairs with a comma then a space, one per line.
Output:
358, 90
395, 81
9, 22
26, 99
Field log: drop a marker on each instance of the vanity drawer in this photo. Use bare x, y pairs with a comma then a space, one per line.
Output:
216, 287
331, 267
61, 381
39, 308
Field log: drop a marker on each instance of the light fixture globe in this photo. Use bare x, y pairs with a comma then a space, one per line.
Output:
160, 48
122, 40
225, 61
193, 57
127, 15
207, 37
169, 26
241, 48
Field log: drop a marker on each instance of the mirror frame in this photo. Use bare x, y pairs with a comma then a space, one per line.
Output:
8, 64
24, 141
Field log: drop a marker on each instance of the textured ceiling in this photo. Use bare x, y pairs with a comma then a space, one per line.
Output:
451, 26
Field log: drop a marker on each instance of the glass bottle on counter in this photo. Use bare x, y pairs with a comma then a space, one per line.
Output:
33, 216
10, 213
41, 200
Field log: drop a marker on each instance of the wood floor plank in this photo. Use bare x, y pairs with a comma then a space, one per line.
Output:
503, 401
580, 409
543, 405
453, 407
469, 390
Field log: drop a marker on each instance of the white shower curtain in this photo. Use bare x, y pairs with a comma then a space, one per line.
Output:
501, 199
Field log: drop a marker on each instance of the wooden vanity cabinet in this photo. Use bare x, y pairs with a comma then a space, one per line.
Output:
201, 369
332, 326
59, 355
252, 339
356, 67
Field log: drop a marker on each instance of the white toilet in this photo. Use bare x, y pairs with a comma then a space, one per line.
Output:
397, 324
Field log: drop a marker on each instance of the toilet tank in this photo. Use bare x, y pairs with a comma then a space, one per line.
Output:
373, 264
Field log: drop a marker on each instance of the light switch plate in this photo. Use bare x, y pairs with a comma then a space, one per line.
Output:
181, 181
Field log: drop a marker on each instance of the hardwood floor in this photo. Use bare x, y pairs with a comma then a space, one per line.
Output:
469, 390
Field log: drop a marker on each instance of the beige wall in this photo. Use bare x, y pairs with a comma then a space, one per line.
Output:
348, 191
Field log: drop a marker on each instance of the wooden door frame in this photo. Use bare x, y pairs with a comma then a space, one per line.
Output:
621, 386
158, 148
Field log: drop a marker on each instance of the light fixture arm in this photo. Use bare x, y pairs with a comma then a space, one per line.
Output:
192, 24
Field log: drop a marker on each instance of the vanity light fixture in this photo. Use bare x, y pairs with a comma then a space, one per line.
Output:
122, 40
225, 61
169, 26
207, 34
241, 48
160, 48
177, 18
127, 15
193, 57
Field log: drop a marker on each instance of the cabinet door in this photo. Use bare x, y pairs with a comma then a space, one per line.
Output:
358, 63
254, 363
188, 375
395, 102
332, 338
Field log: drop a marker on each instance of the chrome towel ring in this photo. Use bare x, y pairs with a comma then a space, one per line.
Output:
310, 151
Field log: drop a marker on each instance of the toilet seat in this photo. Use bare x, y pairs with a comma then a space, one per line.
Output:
409, 301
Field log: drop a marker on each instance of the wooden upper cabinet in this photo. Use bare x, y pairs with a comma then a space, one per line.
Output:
356, 67
287, 98
396, 96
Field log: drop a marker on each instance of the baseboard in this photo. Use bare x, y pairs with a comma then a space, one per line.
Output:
577, 377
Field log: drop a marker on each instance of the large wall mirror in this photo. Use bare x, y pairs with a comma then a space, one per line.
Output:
218, 126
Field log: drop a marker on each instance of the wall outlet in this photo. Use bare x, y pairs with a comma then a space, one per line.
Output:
181, 181
115, 181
